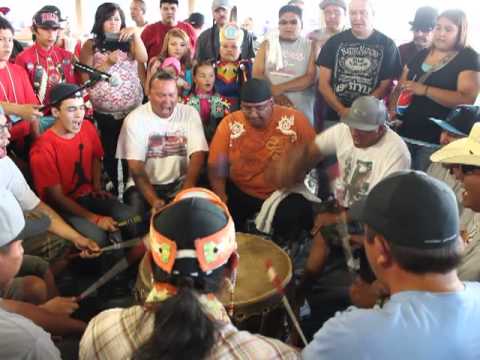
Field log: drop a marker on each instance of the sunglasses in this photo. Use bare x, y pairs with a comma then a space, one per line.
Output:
288, 22
468, 169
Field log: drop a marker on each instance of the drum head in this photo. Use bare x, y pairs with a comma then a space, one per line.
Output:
253, 285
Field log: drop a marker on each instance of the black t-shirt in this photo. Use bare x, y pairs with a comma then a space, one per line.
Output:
416, 124
358, 65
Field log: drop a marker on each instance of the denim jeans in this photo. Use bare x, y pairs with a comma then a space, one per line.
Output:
420, 156
106, 207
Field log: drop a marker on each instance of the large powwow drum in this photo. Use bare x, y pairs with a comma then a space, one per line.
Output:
255, 300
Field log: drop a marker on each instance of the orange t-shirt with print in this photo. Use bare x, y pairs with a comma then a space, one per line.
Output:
247, 151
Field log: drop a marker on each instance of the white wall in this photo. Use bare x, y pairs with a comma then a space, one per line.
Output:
392, 17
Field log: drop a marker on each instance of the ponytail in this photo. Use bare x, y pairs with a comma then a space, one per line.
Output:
182, 329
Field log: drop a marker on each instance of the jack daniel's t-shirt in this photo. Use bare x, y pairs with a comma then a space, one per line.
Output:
358, 65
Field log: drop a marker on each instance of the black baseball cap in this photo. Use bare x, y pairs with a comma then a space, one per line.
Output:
196, 20
49, 17
255, 91
411, 209
460, 120
64, 91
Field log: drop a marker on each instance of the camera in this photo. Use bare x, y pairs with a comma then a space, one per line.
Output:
112, 43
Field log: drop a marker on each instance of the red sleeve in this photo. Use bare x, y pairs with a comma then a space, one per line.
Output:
20, 130
146, 38
43, 167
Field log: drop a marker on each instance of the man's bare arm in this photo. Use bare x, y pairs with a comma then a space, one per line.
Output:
197, 160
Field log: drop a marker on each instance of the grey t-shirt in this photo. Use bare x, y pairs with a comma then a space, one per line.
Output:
21, 339
296, 58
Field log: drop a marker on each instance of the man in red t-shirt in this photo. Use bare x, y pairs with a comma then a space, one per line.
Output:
66, 166
46, 64
17, 97
154, 34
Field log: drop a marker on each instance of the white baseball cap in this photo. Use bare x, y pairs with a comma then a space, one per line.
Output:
464, 151
12, 222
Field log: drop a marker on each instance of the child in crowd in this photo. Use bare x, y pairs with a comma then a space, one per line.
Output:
172, 66
176, 45
231, 70
210, 104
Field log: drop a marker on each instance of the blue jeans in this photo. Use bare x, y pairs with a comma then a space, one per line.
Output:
106, 207
420, 156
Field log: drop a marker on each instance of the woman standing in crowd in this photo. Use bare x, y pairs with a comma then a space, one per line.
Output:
176, 45
439, 78
116, 50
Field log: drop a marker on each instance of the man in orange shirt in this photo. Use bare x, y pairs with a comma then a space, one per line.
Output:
243, 152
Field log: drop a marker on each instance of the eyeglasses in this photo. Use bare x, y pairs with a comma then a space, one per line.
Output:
5, 128
288, 22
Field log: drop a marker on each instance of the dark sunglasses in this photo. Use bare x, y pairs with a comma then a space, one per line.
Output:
467, 169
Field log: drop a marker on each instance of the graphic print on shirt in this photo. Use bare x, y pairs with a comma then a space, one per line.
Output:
167, 144
79, 177
290, 59
228, 72
356, 179
357, 68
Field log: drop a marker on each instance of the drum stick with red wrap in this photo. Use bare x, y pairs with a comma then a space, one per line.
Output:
277, 283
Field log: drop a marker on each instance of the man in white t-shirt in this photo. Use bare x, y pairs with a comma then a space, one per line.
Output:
367, 151
164, 144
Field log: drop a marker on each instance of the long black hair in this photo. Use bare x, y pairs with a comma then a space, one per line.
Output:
103, 13
182, 330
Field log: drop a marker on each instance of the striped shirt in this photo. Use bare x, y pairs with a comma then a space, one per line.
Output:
117, 333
